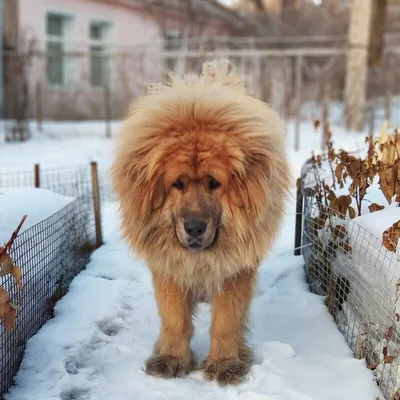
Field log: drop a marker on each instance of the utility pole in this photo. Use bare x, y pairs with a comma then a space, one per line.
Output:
365, 38
11, 35
1, 60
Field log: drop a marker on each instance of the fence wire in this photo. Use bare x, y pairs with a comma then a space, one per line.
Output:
50, 254
359, 279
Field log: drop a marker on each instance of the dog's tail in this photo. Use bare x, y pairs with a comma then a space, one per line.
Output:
224, 72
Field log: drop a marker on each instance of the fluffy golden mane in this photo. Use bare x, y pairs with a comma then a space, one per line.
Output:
201, 122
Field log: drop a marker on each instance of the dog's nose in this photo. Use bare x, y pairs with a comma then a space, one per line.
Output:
195, 227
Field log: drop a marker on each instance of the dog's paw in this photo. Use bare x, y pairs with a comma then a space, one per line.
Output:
164, 366
225, 372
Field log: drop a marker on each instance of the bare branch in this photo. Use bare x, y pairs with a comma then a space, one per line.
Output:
12, 238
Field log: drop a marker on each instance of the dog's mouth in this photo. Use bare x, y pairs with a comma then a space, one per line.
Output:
198, 245
195, 246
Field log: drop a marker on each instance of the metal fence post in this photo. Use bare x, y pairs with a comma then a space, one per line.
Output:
96, 204
37, 175
39, 106
389, 73
299, 219
325, 112
298, 85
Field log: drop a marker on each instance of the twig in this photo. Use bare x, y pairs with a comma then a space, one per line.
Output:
12, 238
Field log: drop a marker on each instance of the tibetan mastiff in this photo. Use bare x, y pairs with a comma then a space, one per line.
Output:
201, 176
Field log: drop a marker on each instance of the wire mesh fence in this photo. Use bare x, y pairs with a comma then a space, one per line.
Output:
50, 254
67, 181
360, 281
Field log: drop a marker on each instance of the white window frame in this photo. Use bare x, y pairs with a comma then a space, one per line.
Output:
171, 36
68, 40
105, 43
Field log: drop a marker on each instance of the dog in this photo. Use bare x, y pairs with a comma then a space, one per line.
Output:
201, 176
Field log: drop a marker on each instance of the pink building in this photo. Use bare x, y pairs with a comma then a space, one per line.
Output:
87, 56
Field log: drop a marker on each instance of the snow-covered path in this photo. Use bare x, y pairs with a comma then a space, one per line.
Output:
106, 325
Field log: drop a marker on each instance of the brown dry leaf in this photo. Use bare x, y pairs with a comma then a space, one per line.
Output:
355, 167
340, 231
342, 203
386, 183
375, 207
350, 159
317, 123
3, 296
389, 333
385, 351
4, 309
352, 212
389, 359
339, 172
347, 247
17, 274
390, 237
331, 196
397, 168
9, 319
334, 206
348, 200
373, 366
6, 266
391, 153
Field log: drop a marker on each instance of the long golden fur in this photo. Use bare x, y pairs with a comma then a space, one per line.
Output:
201, 177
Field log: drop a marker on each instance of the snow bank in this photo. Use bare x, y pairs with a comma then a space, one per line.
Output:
372, 270
37, 204
363, 289
106, 325
376, 223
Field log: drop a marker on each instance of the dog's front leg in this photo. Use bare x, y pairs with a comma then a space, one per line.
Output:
172, 355
229, 357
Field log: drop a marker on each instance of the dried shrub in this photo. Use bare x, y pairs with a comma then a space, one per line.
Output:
8, 310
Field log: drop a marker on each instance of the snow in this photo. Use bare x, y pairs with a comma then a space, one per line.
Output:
106, 325
77, 143
37, 204
377, 222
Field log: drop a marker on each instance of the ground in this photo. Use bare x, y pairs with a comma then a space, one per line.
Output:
106, 325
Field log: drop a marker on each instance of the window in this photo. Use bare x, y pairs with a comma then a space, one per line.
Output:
172, 43
55, 48
99, 62
58, 37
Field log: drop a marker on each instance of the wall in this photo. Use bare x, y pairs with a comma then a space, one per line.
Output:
77, 99
134, 62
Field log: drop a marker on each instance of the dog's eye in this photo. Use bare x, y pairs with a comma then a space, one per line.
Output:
213, 183
178, 184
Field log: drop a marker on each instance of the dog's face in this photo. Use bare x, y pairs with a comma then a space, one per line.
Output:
195, 209
194, 184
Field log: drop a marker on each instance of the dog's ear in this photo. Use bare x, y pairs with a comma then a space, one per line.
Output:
237, 192
158, 196
142, 194
249, 192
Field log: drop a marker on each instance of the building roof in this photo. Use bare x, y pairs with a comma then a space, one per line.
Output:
205, 7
